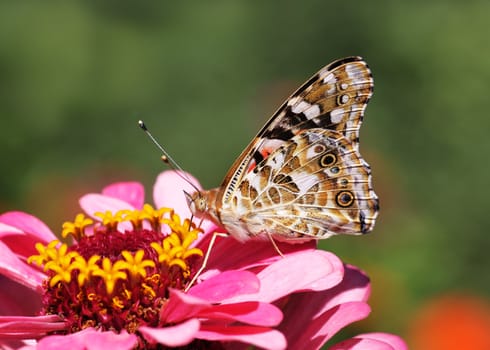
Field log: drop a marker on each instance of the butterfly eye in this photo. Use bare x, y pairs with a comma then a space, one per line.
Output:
328, 160
345, 199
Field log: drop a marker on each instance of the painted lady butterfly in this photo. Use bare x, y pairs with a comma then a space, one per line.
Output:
302, 177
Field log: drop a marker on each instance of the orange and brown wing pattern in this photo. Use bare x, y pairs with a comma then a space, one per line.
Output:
302, 176
334, 99
314, 186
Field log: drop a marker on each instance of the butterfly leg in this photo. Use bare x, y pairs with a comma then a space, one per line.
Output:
206, 258
274, 244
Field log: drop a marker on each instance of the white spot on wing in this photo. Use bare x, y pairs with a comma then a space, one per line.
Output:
312, 112
309, 110
304, 182
276, 161
254, 182
300, 107
270, 145
336, 115
353, 71
329, 78
293, 100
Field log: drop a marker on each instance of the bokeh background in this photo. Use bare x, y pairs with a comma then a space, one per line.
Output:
76, 76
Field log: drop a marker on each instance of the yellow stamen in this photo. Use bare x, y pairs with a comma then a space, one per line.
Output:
172, 252
134, 216
148, 290
135, 265
190, 252
85, 268
110, 273
110, 220
59, 256
61, 275
154, 216
179, 262
44, 252
183, 230
77, 228
117, 303
127, 294
55, 259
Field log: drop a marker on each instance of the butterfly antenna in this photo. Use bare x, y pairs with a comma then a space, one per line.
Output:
166, 158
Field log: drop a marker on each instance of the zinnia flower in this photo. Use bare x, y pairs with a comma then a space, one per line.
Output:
123, 282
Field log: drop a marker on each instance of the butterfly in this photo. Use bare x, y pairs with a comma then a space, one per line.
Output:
302, 177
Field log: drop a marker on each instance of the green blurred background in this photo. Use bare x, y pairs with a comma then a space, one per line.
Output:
76, 76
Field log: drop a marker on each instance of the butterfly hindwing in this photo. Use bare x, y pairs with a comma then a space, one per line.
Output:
314, 185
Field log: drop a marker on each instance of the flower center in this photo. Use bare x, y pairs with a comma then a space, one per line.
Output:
117, 273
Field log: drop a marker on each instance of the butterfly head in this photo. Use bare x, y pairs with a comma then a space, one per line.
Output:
201, 204
197, 202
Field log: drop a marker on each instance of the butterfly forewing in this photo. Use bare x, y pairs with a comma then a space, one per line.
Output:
334, 99
302, 176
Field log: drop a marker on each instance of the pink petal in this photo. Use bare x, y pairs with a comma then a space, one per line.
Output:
248, 254
7, 230
253, 313
179, 335
17, 345
93, 202
129, 192
394, 341
16, 299
226, 285
105, 340
29, 327
22, 245
361, 344
181, 306
309, 270
168, 192
380, 341
12, 267
324, 327
28, 224
354, 287
259, 336
89, 339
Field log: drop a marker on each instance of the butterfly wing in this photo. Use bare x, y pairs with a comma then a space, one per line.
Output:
332, 104
334, 98
315, 185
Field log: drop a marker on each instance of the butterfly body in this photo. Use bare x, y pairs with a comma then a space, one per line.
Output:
302, 177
